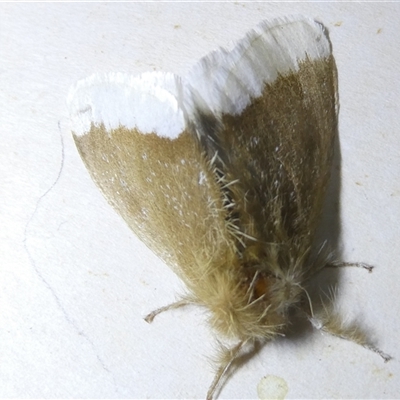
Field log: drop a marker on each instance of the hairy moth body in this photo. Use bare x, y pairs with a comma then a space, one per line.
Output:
223, 173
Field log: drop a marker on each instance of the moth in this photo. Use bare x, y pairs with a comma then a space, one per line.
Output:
223, 173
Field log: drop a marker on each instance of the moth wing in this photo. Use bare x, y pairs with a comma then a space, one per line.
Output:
132, 136
268, 109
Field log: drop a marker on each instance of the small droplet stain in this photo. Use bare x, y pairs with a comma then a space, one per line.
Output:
272, 387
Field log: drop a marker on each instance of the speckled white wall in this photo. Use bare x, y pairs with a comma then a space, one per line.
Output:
75, 282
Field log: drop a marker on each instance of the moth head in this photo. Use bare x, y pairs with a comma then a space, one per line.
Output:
253, 304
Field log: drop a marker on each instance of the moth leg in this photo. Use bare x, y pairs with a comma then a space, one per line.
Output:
331, 322
368, 267
226, 358
149, 317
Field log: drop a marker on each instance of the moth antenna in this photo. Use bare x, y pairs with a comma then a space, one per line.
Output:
226, 358
339, 264
386, 357
329, 321
184, 302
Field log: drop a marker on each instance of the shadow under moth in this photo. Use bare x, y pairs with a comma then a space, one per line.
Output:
223, 174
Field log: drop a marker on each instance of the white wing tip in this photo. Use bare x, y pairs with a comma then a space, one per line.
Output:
270, 49
148, 103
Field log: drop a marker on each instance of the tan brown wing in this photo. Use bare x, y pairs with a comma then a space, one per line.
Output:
273, 136
162, 186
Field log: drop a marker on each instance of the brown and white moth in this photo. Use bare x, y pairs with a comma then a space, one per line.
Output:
223, 175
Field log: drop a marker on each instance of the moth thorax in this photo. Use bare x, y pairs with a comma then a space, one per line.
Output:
242, 306
274, 282
278, 293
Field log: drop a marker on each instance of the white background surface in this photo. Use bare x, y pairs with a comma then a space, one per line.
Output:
75, 282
